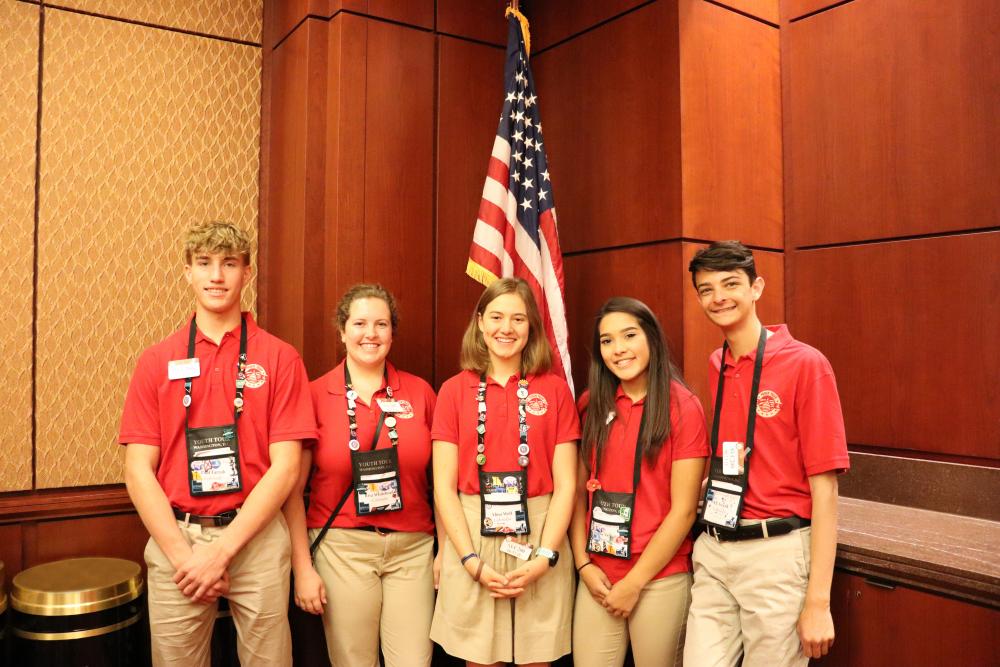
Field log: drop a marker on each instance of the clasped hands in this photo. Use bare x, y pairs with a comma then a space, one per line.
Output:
203, 575
511, 584
618, 599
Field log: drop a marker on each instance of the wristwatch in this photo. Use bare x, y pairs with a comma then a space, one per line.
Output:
553, 556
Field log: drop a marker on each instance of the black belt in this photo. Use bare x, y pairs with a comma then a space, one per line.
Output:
376, 529
212, 521
753, 531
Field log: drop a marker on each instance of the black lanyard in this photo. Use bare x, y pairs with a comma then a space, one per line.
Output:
240, 375
758, 365
352, 396
522, 422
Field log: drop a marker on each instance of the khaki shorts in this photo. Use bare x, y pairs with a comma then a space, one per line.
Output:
534, 627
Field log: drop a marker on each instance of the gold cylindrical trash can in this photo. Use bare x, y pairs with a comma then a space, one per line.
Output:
80, 612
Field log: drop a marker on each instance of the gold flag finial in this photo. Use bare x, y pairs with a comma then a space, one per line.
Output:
512, 10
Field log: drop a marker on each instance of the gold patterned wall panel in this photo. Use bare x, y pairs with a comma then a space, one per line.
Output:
143, 132
18, 112
236, 19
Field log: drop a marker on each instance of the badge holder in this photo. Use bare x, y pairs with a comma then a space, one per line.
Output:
503, 507
722, 503
213, 460
213, 451
611, 524
611, 513
376, 481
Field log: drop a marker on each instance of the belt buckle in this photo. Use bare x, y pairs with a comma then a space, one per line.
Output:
378, 531
714, 532
225, 518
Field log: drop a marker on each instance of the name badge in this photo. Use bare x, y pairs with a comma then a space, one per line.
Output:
503, 497
722, 504
516, 548
376, 481
731, 458
389, 406
213, 460
611, 524
182, 369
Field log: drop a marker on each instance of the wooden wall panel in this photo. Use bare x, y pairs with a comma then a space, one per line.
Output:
482, 20
909, 329
555, 20
765, 10
793, 9
650, 273
10, 551
115, 536
890, 123
282, 16
730, 126
612, 130
344, 184
465, 138
18, 117
701, 337
412, 12
902, 626
144, 132
295, 228
398, 179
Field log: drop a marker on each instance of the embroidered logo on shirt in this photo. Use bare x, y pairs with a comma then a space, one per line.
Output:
536, 405
768, 403
256, 376
405, 409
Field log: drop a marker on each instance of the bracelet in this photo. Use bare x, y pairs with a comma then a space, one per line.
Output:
589, 562
479, 571
467, 556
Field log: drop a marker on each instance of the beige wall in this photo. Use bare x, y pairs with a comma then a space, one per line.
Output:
149, 121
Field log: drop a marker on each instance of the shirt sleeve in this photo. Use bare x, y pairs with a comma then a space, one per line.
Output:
291, 414
690, 439
445, 424
568, 420
140, 416
820, 423
315, 396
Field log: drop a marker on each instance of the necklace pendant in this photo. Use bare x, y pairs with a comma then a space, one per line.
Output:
481, 459
354, 445
522, 461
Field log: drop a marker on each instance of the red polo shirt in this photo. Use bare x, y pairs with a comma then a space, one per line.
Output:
551, 418
276, 407
332, 457
800, 426
687, 440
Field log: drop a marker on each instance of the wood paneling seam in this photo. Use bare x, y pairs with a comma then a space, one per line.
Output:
591, 28
908, 237
744, 14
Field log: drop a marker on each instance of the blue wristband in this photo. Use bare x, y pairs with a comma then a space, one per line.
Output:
467, 556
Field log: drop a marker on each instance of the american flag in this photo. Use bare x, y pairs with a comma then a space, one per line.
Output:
516, 232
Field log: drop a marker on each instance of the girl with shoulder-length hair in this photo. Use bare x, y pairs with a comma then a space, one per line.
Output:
641, 461
505, 432
363, 552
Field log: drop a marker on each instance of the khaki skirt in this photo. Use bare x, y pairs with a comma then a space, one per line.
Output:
536, 626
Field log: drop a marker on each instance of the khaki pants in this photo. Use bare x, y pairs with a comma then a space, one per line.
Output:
655, 627
746, 600
377, 586
258, 597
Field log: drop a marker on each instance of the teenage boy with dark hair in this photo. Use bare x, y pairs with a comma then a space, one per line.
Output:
213, 424
763, 568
